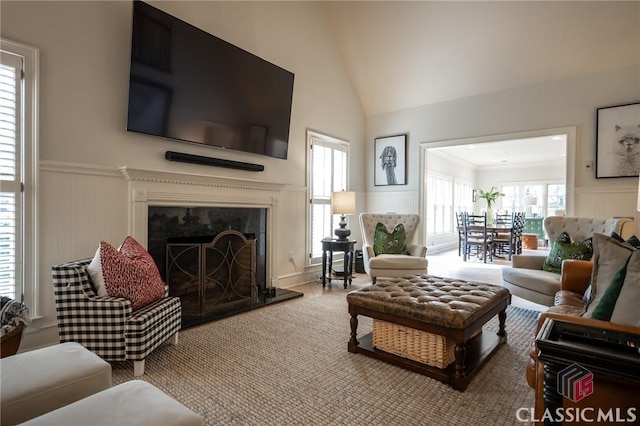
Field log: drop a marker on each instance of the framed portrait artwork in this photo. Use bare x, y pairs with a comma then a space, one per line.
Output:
390, 160
618, 141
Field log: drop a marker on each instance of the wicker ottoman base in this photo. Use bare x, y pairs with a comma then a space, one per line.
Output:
427, 348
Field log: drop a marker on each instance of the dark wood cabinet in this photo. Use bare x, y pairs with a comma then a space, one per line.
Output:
591, 374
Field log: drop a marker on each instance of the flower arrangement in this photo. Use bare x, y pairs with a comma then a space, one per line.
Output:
490, 196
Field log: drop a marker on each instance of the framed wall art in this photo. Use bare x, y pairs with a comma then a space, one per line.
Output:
618, 141
390, 160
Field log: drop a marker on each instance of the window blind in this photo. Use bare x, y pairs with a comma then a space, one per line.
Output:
10, 176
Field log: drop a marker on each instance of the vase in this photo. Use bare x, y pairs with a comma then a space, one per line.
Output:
489, 216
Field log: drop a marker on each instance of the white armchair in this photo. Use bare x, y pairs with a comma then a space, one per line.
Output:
392, 265
528, 280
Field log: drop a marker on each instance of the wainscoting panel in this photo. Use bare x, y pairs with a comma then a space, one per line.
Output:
607, 202
392, 201
291, 233
78, 206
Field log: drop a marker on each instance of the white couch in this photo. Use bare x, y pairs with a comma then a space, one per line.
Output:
528, 280
69, 385
35, 382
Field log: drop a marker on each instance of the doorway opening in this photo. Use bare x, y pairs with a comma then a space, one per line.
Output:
452, 171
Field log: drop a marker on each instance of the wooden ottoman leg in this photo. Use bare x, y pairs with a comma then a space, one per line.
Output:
353, 343
502, 332
460, 353
459, 381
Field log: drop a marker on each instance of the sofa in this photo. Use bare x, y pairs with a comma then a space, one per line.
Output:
32, 383
66, 384
526, 277
583, 286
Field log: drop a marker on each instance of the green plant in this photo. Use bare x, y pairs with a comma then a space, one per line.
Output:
490, 196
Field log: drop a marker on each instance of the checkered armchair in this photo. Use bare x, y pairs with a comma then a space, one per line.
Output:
107, 325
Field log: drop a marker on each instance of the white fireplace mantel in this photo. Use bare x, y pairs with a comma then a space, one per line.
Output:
166, 188
163, 176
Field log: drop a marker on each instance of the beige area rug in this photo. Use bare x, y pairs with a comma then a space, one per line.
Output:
288, 364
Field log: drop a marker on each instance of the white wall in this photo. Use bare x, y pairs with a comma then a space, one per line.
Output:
567, 102
84, 71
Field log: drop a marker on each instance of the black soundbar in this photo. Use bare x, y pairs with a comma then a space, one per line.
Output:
210, 161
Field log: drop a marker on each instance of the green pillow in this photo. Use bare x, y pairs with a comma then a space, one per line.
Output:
605, 306
389, 243
563, 250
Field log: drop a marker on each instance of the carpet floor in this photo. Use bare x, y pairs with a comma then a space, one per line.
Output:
288, 364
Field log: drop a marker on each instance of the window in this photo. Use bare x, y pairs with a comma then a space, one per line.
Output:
327, 174
439, 204
539, 198
556, 199
446, 195
511, 201
463, 196
18, 172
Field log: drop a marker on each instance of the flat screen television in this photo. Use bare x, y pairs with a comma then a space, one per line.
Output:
188, 85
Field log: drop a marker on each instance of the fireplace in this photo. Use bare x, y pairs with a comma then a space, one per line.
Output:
213, 258
172, 204
204, 223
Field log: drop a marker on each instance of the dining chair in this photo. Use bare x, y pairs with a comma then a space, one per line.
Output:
460, 228
518, 229
503, 219
504, 238
475, 234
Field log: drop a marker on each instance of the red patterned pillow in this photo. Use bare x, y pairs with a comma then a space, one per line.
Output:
129, 272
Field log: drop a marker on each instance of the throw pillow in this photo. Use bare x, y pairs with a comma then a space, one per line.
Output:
389, 243
626, 310
586, 297
609, 255
607, 303
563, 249
633, 240
95, 273
129, 273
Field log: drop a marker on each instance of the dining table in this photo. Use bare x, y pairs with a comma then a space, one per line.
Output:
495, 230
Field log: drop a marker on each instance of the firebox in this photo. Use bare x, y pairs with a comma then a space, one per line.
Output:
216, 255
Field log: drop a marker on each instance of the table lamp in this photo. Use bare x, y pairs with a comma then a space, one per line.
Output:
530, 202
343, 203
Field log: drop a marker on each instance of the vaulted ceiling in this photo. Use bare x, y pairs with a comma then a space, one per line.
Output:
407, 54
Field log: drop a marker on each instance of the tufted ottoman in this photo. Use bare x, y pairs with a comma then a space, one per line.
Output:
447, 311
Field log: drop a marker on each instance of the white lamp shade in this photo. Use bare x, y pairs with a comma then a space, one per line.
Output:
531, 201
344, 202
